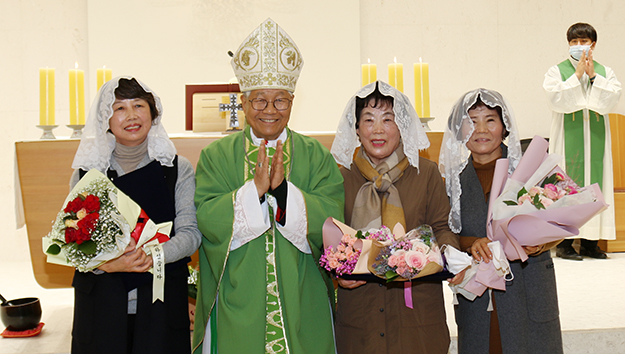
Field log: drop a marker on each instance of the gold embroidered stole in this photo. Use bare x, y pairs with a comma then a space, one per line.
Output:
275, 337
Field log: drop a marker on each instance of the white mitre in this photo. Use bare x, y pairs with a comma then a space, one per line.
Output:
267, 59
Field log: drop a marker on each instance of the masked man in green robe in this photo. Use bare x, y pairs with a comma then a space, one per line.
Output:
581, 93
262, 197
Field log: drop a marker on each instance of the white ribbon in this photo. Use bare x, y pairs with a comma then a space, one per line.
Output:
490, 300
155, 249
158, 270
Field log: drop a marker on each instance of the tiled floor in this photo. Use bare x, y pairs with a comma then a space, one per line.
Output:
599, 328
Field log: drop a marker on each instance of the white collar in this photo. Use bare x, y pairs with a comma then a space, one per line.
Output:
271, 143
573, 61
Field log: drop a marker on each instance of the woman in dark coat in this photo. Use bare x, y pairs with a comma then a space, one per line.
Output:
114, 312
525, 318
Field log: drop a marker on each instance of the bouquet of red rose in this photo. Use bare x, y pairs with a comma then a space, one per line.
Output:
96, 224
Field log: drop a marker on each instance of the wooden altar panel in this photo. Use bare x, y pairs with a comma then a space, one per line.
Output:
617, 131
617, 245
44, 169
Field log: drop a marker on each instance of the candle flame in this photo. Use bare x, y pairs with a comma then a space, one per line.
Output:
368, 60
103, 66
76, 65
419, 59
395, 59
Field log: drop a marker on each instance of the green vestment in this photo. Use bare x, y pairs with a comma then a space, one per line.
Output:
582, 136
574, 136
233, 284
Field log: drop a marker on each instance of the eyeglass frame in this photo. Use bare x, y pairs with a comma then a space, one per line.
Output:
273, 102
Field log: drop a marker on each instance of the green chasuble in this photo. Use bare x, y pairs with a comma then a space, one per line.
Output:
574, 136
233, 289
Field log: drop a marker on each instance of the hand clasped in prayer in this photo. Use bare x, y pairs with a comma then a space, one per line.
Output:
264, 179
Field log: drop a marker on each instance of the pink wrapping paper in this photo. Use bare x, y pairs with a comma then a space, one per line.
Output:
541, 226
485, 277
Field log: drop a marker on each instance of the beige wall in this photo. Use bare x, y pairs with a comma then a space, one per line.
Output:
178, 42
33, 34
503, 45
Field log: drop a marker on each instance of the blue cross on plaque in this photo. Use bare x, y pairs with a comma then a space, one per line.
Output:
233, 107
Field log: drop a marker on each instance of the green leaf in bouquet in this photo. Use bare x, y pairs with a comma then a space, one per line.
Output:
87, 247
359, 235
54, 249
510, 202
425, 234
537, 203
192, 291
522, 192
390, 276
550, 180
70, 216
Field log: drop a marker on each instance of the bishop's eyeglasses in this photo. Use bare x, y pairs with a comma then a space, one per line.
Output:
260, 104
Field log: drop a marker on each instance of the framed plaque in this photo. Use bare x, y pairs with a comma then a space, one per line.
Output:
213, 108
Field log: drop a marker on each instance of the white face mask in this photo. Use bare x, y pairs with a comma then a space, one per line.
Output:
576, 50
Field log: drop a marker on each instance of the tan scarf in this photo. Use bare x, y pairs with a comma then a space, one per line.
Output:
377, 202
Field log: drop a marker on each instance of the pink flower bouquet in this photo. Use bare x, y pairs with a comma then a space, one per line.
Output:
344, 253
389, 255
404, 256
538, 203
342, 260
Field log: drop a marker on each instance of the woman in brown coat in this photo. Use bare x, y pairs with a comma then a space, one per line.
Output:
387, 182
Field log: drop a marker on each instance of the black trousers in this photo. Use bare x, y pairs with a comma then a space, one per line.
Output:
587, 244
101, 320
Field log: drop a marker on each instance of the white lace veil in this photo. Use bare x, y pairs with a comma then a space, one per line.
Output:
412, 133
454, 154
97, 143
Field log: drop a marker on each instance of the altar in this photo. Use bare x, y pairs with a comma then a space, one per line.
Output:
44, 170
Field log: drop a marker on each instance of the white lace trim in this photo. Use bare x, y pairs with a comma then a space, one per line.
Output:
296, 227
412, 133
97, 144
454, 154
251, 219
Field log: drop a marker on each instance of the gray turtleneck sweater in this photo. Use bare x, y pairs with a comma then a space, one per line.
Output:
188, 238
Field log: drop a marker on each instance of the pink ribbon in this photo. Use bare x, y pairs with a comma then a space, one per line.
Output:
408, 294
